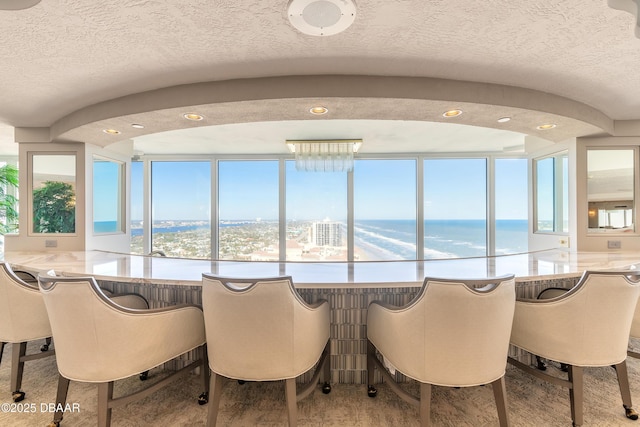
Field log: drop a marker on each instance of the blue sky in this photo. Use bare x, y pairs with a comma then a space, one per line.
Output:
454, 189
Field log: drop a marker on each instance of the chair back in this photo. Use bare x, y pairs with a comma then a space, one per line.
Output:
635, 323
88, 327
587, 326
454, 333
23, 316
261, 329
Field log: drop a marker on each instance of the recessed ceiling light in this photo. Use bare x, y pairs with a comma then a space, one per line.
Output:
193, 116
319, 110
452, 113
137, 126
504, 119
111, 131
546, 126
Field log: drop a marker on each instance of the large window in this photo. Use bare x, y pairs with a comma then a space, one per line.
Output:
384, 209
181, 208
455, 208
316, 215
108, 191
54, 193
511, 206
248, 210
552, 193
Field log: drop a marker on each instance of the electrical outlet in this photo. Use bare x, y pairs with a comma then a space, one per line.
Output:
563, 242
614, 244
50, 243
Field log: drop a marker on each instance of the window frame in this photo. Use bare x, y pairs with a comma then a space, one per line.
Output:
418, 157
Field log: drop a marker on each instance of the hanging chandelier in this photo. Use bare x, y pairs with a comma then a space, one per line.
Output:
324, 155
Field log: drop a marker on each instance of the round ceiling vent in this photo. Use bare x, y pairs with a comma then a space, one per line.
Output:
17, 4
321, 17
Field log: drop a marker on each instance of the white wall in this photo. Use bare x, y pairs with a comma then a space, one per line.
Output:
599, 241
119, 241
26, 240
537, 148
84, 238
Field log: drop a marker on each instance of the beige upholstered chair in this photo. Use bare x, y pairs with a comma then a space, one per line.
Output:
262, 330
23, 318
455, 333
635, 331
588, 326
99, 341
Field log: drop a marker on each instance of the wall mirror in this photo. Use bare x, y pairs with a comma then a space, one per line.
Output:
610, 190
53, 193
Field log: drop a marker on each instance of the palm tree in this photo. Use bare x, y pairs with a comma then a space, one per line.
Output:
8, 202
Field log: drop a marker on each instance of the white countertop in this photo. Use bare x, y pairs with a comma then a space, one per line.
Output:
180, 271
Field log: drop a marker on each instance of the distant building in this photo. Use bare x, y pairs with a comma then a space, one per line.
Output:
326, 233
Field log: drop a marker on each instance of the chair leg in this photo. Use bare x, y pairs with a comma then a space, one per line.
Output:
17, 369
425, 404
215, 390
576, 393
105, 395
500, 395
623, 382
326, 373
1, 350
371, 366
204, 397
61, 398
292, 407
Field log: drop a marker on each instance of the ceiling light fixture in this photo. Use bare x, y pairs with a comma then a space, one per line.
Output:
193, 116
451, 113
504, 119
334, 155
321, 17
319, 110
111, 131
137, 126
546, 126
17, 4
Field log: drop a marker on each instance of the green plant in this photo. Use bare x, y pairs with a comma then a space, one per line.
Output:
8, 202
54, 208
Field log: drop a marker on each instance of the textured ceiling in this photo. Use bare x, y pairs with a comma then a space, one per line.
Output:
62, 56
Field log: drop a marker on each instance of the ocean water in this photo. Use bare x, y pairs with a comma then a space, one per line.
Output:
396, 239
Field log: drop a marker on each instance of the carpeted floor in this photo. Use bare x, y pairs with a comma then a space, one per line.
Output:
531, 402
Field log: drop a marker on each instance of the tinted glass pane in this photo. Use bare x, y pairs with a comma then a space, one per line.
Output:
248, 210
455, 208
385, 209
108, 191
180, 207
511, 206
316, 215
545, 194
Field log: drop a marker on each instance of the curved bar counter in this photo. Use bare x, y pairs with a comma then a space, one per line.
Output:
349, 287
542, 265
